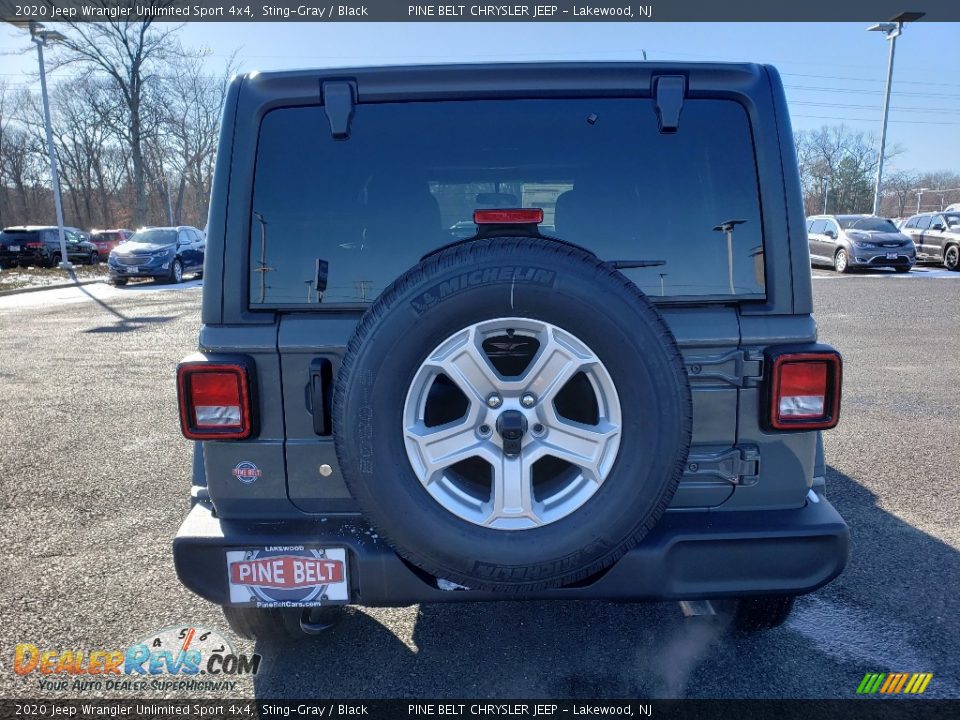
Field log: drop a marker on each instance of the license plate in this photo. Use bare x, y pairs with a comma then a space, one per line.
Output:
891, 256
133, 269
14, 248
288, 576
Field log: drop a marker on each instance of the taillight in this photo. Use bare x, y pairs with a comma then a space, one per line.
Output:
803, 390
519, 216
215, 401
34, 245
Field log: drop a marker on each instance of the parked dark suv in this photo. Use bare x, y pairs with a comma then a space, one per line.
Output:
39, 245
163, 253
937, 237
627, 406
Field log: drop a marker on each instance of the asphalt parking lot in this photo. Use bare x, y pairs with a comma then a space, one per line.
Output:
94, 477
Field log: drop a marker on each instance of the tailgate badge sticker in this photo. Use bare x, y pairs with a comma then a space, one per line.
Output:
246, 472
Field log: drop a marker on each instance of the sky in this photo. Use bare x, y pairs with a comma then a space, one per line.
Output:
833, 72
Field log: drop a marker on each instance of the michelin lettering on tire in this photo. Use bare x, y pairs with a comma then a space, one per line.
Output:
515, 274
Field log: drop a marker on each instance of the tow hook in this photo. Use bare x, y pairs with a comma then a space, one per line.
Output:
314, 621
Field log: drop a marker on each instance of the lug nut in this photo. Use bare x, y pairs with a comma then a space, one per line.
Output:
494, 400
528, 400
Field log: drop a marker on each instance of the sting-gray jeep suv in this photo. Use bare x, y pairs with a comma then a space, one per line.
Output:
606, 390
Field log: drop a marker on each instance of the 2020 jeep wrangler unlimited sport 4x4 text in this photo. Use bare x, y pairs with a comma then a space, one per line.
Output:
507, 331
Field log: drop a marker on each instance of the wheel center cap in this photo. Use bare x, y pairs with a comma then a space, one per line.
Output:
512, 426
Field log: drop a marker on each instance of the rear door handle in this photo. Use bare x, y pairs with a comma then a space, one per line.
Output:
321, 391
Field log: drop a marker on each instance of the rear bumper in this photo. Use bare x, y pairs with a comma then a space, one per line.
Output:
25, 257
689, 555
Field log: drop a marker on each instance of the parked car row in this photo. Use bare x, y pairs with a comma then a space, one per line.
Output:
848, 242
165, 253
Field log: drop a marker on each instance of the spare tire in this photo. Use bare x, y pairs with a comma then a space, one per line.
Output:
512, 414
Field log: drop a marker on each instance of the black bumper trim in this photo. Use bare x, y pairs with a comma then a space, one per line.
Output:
688, 555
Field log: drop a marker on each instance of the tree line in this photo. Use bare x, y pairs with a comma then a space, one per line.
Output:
136, 125
838, 169
135, 130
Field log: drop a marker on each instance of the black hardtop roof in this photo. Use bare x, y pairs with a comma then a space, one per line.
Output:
384, 82
553, 68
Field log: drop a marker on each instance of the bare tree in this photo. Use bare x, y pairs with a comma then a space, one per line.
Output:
898, 187
191, 128
22, 161
130, 54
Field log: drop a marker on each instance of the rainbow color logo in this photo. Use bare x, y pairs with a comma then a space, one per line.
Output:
894, 683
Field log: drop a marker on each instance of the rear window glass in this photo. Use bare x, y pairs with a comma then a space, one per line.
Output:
107, 237
18, 236
335, 221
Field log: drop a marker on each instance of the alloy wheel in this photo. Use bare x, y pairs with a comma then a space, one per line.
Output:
512, 423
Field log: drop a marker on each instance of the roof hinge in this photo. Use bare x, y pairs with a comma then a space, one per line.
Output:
339, 98
669, 92
739, 465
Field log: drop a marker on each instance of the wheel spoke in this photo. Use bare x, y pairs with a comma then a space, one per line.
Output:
465, 363
555, 365
512, 497
584, 446
439, 448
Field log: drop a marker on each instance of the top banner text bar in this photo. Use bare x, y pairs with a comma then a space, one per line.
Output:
406, 11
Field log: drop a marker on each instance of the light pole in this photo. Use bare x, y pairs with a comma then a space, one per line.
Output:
919, 192
41, 37
892, 30
727, 229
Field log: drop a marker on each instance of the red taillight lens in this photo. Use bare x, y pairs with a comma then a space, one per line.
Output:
520, 216
805, 391
34, 244
214, 401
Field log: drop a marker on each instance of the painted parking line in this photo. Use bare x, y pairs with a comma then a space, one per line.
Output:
924, 273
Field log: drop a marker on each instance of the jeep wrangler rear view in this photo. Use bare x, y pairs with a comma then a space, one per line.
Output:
507, 331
